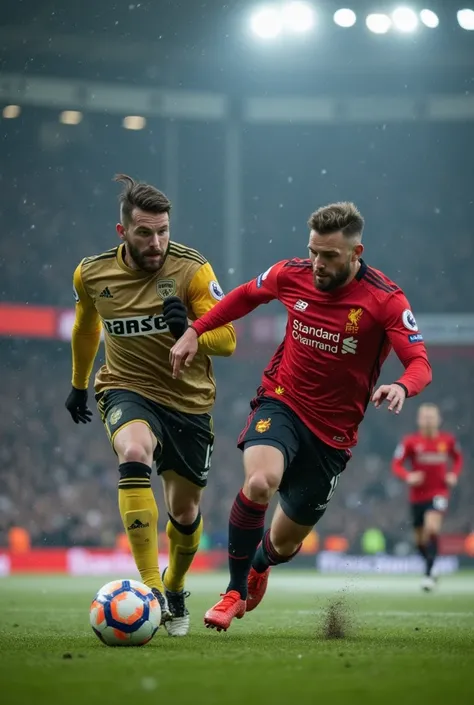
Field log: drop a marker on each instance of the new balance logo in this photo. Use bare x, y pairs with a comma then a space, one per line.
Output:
300, 305
137, 524
105, 294
349, 345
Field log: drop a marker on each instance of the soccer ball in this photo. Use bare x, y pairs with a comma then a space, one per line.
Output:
125, 613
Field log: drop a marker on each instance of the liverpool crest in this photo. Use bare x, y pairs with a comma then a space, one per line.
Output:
263, 425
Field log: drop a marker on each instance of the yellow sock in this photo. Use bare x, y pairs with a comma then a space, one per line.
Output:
140, 518
183, 545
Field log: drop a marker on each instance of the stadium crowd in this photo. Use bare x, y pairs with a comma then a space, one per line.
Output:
417, 215
58, 480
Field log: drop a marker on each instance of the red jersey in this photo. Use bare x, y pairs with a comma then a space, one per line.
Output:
335, 344
434, 456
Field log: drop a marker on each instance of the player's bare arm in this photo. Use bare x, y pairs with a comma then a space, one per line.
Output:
184, 351
415, 478
451, 479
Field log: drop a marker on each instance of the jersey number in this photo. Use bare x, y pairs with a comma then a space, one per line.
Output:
207, 462
332, 486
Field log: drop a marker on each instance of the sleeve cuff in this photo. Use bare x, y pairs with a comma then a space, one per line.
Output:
400, 384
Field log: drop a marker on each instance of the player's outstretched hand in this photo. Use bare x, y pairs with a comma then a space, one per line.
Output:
394, 394
76, 404
451, 479
415, 478
175, 314
183, 351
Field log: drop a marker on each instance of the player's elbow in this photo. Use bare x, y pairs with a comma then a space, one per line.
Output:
398, 470
82, 331
427, 372
229, 342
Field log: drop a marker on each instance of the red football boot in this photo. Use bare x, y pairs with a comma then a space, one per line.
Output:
257, 587
221, 615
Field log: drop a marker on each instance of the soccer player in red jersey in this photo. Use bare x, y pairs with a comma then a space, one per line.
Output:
343, 319
435, 461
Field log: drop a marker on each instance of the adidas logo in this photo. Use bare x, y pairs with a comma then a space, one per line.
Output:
105, 294
137, 524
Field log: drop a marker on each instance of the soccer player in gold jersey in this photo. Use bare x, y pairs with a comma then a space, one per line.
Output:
143, 294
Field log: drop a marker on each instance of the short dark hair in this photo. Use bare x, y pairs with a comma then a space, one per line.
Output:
342, 216
136, 194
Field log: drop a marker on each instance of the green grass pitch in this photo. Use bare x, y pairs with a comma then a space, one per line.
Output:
400, 646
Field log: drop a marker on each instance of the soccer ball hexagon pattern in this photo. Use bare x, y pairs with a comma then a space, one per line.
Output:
125, 613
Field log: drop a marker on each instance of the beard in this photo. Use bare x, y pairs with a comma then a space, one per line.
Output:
334, 281
142, 259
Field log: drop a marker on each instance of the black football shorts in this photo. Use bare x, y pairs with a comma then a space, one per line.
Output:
312, 468
185, 441
419, 509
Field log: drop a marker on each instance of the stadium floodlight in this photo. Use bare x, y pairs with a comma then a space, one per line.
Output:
429, 18
345, 17
466, 19
267, 22
378, 23
134, 122
298, 16
70, 117
404, 19
11, 111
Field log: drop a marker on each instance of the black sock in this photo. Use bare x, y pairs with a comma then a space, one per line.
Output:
422, 550
246, 523
431, 553
267, 556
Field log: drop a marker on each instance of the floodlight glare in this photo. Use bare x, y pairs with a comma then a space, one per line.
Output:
298, 16
134, 122
70, 117
429, 18
11, 111
267, 23
466, 19
378, 23
405, 19
345, 18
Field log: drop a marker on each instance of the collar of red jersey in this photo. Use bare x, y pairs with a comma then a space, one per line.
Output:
362, 270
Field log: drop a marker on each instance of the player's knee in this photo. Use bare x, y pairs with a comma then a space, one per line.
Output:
285, 546
134, 452
184, 513
260, 487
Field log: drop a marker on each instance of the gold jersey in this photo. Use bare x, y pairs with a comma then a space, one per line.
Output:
127, 304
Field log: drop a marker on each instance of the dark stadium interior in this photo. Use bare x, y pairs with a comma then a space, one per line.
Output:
249, 115
410, 176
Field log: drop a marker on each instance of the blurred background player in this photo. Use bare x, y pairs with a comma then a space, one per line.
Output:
142, 294
435, 462
343, 318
